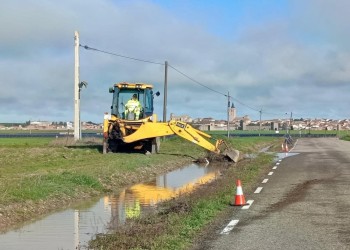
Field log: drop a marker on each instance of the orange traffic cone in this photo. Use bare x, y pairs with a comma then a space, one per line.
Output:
239, 198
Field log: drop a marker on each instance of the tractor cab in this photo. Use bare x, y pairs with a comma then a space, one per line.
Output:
123, 92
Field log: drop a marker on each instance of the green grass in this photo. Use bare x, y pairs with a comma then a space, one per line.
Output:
32, 131
40, 170
177, 228
345, 137
281, 132
25, 142
41, 187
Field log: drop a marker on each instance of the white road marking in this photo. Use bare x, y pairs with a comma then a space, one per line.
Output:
275, 167
277, 163
229, 226
280, 160
258, 190
250, 202
271, 173
265, 180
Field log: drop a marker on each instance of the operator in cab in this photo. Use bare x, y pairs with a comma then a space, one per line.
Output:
133, 106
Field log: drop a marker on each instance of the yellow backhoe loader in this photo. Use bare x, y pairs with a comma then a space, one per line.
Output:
136, 126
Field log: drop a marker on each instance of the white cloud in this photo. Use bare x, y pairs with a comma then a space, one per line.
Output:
300, 62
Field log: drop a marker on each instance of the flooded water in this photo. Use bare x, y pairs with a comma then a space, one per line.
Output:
278, 155
281, 156
73, 228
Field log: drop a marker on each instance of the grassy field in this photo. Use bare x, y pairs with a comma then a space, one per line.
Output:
37, 168
38, 175
294, 133
346, 137
40, 168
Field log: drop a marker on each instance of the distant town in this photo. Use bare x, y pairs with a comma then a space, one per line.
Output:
205, 124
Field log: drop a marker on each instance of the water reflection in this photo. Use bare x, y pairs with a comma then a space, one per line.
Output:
143, 197
73, 228
281, 156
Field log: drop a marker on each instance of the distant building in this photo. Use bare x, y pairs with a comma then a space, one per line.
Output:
69, 125
232, 113
243, 125
39, 125
181, 118
274, 126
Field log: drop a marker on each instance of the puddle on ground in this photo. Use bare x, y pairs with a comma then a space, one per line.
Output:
281, 156
73, 228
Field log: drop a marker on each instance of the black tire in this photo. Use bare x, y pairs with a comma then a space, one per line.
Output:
155, 145
152, 145
114, 145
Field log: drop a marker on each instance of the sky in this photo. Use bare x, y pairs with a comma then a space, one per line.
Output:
283, 58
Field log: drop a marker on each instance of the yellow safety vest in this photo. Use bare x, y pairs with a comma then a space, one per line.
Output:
133, 106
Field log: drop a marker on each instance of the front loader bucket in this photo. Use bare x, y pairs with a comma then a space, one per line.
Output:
231, 154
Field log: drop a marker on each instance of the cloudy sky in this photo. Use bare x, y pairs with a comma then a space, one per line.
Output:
277, 56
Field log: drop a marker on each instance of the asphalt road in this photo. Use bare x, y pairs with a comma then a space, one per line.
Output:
304, 204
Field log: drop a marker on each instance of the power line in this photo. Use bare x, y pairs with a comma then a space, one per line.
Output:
178, 71
114, 54
196, 81
148, 61
235, 99
218, 92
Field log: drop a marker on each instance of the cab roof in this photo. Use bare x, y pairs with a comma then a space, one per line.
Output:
136, 85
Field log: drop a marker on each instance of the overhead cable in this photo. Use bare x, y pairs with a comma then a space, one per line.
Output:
193, 80
178, 71
244, 104
114, 54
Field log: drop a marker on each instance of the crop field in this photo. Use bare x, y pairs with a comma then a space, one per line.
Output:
40, 175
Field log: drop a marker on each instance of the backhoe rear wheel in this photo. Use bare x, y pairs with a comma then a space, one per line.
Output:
153, 145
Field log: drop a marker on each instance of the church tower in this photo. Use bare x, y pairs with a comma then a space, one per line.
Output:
232, 112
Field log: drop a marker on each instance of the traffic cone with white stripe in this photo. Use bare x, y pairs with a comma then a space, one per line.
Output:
239, 198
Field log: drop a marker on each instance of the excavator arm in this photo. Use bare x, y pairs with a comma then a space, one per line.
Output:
182, 129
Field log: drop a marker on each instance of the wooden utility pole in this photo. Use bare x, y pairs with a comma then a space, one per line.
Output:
260, 121
165, 91
287, 125
228, 114
77, 128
